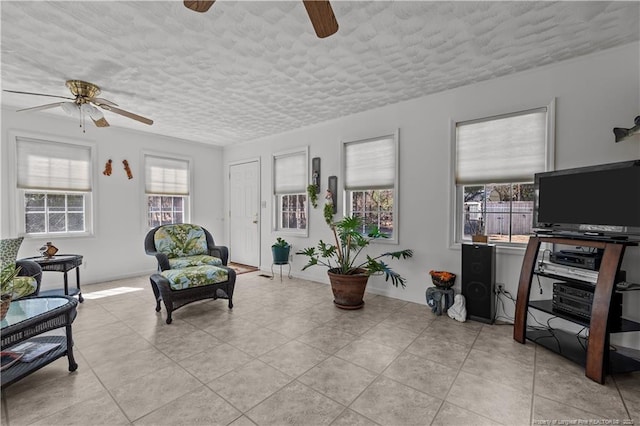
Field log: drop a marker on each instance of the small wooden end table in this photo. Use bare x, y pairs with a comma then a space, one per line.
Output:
62, 263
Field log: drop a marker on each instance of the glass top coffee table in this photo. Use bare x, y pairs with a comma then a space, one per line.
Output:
26, 320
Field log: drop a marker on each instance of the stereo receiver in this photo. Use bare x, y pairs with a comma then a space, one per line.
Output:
577, 258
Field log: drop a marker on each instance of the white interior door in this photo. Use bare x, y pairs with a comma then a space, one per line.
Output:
244, 213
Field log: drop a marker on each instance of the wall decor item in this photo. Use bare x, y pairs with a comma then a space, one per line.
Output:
127, 169
313, 189
315, 172
622, 134
332, 192
107, 168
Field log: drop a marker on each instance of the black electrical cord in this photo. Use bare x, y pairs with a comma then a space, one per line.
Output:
539, 283
580, 338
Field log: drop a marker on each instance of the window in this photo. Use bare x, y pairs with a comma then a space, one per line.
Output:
289, 187
496, 159
504, 212
370, 170
54, 183
53, 212
167, 190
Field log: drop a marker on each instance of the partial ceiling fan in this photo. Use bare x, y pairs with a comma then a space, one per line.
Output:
83, 102
320, 12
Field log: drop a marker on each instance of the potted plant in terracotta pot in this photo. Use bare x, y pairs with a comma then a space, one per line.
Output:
347, 274
280, 251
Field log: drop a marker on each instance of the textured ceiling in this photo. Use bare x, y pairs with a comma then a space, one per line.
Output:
244, 70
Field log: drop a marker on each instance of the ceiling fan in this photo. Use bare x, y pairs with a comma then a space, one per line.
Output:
320, 12
84, 103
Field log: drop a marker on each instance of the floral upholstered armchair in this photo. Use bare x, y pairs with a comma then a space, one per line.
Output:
27, 282
190, 266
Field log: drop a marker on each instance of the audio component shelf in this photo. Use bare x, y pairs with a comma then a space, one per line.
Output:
576, 349
595, 354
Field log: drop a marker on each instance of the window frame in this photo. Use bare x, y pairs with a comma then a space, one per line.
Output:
276, 197
185, 208
485, 213
187, 199
47, 212
17, 217
457, 190
347, 194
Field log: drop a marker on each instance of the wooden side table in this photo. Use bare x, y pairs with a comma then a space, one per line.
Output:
62, 263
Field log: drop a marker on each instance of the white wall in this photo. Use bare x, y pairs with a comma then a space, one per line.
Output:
116, 249
594, 94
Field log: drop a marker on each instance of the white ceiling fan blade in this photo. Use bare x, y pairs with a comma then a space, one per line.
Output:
37, 94
41, 107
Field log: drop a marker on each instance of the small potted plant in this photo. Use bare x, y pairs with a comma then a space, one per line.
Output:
280, 251
442, 279
348, 275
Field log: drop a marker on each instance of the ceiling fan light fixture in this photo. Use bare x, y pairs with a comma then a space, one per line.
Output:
92, 111
83, 88
85, 103
71, 108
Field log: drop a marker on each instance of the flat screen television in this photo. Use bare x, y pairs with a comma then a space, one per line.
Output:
594, 201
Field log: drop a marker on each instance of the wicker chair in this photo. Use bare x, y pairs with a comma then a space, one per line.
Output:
27, 283
190, 266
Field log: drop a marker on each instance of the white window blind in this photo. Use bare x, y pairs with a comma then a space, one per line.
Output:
503, 149
166, 176
47, 165
290, 173
370, 164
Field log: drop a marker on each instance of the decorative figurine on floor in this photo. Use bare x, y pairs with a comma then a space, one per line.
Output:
458, 311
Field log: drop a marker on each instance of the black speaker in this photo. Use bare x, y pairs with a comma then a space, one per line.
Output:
479, 281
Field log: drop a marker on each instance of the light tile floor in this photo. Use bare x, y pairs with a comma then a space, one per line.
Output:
285, 355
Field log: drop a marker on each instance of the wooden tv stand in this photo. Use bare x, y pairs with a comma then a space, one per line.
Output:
596, 357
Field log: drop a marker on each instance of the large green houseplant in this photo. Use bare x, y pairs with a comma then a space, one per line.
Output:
347, 273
